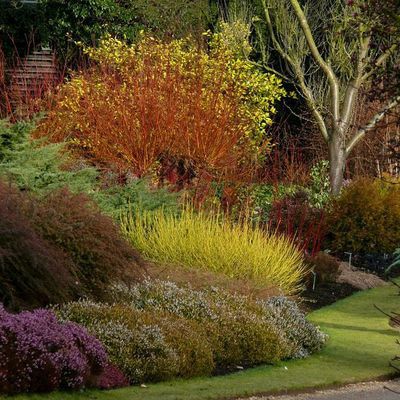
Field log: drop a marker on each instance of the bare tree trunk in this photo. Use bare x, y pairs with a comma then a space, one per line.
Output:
337, 162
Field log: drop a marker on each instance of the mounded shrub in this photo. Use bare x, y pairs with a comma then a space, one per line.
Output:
146, 346
203, 110
234, 324
156, 330
325, 266
33, 272
38, 353
365, 218
111, 378
207, 241
302, 334
58, 248
92, 240
224, 308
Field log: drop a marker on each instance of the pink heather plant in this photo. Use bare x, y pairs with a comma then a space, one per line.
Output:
39, 353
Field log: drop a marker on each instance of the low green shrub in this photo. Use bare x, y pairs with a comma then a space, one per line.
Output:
146, 346
221, 307
365, 218
11, 135
156, 330
117, 200
205, 241
40, 168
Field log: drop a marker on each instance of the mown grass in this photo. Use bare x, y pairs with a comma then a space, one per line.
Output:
360, 347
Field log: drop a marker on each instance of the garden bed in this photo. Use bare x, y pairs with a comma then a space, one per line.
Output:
360, 347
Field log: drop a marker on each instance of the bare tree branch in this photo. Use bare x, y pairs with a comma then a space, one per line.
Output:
372, 123
333, 81
353, 87
380, 61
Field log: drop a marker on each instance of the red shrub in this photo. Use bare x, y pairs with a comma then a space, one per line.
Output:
92, 240
294, 217
57, 249
33, 272
169, 109
111, 378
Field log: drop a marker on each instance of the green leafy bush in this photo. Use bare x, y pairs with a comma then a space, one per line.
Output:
156, 330
11, 135
62, 23
40, 168
365, 218
204, 241
319, 188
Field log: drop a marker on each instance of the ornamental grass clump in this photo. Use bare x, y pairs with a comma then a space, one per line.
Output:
38, 353
207, 241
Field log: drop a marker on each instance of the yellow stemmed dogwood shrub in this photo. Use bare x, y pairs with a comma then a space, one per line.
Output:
208, 241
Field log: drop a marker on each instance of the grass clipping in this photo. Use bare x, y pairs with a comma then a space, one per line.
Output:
209, 242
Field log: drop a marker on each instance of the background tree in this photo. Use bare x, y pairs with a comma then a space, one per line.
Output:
61, 23
332, 51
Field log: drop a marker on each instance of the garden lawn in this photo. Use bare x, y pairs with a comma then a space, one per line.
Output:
360, 347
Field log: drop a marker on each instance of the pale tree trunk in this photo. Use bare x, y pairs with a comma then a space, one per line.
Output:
337, 162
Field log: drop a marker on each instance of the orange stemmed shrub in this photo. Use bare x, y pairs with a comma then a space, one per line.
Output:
141, 106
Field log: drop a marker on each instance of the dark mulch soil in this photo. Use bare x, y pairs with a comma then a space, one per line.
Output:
325, 294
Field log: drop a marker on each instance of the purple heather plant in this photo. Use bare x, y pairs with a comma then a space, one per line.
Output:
38, 353
111, 378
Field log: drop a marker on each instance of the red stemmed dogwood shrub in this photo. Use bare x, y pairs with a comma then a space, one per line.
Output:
293, 216
148, 106
38, 353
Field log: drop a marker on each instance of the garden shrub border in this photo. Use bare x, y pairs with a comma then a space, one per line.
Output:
352, 323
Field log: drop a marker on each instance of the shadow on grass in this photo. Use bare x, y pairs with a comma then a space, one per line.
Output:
388, 332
